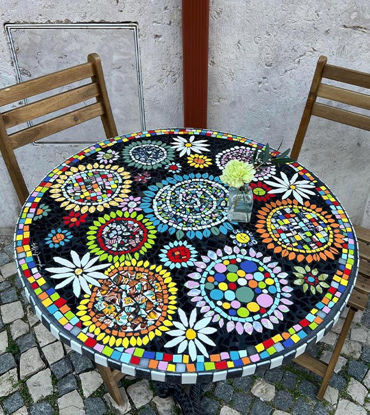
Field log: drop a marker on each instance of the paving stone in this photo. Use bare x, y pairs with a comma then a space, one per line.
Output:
340, 363
320, 409
18, 328
67, 384
95, 406
26, 342
225, 410
13, 402
61, 368
71, 403
11, 312
209, 406
283, 400
261, 408
365, 356
206, 387
1, 323
114, 406
40, 385
140, 393
308, 389
30, 363
274, 375
8, 270
366, 318
8, 296
31, 317
9, 250
4, 259
18, 282
7, 362
357, 391
241, 402
278, 412
366, 380
263, 390
165, 406
7, 382
90, 382
357, 369
5, 285
147, 410
3, 341
359, 334
346, 407
338, 382
53, 352
330, 339
289, 380
224, 391
331, 395
80, 363
352, 349
42, 408
301, 407
43, 335
243, 384
21, 411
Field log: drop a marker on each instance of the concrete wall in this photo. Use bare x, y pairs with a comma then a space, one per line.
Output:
262, 57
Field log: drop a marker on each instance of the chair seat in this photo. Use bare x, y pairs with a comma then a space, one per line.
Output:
358, 299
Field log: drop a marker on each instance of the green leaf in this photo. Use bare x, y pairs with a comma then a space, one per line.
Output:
103, 257
319, 289
305, 287
179, 234
322, 277
298, 282
284, 154
301, 270
313, 291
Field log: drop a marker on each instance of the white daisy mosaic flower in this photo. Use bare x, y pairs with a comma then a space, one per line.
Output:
299, 189
191, 334
80, 272
188, 145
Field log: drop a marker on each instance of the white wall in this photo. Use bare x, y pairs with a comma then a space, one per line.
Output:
262, 57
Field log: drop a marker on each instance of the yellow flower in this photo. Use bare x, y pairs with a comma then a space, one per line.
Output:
199, 161
238, 173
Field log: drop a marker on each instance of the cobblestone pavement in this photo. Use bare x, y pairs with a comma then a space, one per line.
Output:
40, 376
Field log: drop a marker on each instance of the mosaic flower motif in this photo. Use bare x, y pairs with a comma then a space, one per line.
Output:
191, 335
58, 237
120, 235
243, 238
174, 168
264, 173
134, 303
244, 290
194, 205
148, 155
74, 219
185, 145
305, 233
107, 157
81, 272
178, 254
143, 177
299, 189
199, 161
310, 278
41, 211
261, 192
91, 187
131, 204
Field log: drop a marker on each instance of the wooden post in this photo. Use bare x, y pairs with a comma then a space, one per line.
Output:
195, 25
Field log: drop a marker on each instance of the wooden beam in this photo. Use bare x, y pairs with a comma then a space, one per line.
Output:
195, 34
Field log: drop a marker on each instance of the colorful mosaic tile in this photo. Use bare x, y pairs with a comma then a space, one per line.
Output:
138, 266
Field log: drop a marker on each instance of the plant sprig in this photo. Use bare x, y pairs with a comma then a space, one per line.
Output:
263, 157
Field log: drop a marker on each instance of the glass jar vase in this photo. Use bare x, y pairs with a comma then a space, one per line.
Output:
240, 204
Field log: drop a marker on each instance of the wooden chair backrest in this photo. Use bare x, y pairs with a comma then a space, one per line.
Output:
95, 89
334, 93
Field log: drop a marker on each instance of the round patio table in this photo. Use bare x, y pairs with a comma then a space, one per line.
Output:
126, 252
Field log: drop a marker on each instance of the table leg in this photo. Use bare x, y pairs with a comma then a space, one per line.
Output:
189, 402
111, 383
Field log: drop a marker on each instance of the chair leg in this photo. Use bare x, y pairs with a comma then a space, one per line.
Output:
111, 384
336, 352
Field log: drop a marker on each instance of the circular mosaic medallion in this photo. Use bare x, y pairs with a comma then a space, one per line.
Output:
120, 235
91, 187
132, 306
148, 155
241, 153
192, 204
302, 232
244, 288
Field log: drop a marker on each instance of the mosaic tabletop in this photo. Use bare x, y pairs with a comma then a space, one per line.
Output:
127, 254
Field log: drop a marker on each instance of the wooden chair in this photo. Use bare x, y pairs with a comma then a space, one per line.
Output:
96, 89
359, 296
9, 142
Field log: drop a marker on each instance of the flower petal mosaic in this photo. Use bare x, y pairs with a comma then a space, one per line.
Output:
127, 255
